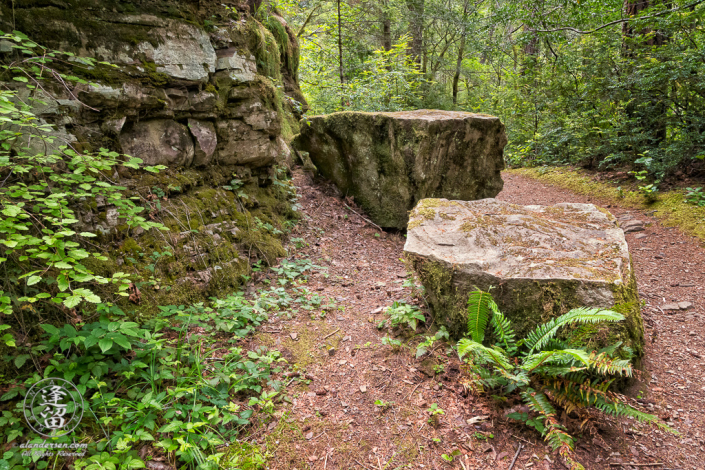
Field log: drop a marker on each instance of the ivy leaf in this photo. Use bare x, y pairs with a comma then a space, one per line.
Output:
171, 427
11, 394
90, 341
51, 329
79, 254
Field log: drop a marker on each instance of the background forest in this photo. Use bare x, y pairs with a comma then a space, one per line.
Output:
599, 83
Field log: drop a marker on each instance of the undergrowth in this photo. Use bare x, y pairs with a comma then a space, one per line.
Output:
181, 387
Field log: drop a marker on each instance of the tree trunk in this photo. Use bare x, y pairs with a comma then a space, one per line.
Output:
386, 28
340, 58
461, 50
458, 63
416, 23
650, 112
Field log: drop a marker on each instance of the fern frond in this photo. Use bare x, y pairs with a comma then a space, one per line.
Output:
478, 308
487, 379
611, 349
603, 364
557, 371
561, 441
619, 409
558, 344
562, 357
538, 402
503, 329
482, 354
538, 338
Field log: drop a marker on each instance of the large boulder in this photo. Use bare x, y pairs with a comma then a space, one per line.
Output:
390, 161
541, 261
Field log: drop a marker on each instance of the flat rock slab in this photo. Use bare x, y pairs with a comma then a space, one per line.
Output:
541, 261
389, 161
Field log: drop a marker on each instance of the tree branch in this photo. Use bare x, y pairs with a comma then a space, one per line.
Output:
623, 20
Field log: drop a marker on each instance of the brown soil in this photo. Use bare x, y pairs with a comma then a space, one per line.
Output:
333, 422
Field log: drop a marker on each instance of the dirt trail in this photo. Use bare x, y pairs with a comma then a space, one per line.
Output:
333, 423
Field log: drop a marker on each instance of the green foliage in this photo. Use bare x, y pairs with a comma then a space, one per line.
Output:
383, 405
449, 457
583, 83
395, 344
384, 81
435, 412
429, 341
169, 382
695, 196
401, 313
543, 365
42, 250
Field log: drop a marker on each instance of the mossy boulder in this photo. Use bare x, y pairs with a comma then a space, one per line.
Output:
539, 261
389, 161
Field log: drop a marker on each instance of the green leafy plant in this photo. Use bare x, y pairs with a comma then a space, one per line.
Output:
383, 405
428, 343
44, 250
299, 243
158, 383
435, 413
533, 422
449, 457
264, 401
648, 190
394, 343
695, 196
547, 371
401, 313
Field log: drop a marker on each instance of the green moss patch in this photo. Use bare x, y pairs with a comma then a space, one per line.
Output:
670, 206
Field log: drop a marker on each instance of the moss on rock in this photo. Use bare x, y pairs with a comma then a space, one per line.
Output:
539, 262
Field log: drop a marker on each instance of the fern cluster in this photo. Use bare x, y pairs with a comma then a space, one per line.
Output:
547, 371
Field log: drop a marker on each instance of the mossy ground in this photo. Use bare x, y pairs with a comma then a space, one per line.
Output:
670, 206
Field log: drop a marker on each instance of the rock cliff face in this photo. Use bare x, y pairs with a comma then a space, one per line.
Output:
390, 161
542, 261
195, 82
202, 87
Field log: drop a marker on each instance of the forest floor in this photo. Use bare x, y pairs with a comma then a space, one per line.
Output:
333, 422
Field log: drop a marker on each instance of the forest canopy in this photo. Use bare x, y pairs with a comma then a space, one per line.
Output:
599, 83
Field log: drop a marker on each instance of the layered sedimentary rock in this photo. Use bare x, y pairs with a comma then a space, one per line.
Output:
389, 161
203, 88
170, 73
541, 261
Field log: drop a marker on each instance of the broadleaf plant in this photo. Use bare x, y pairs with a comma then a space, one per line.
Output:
547, 371
44, 252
